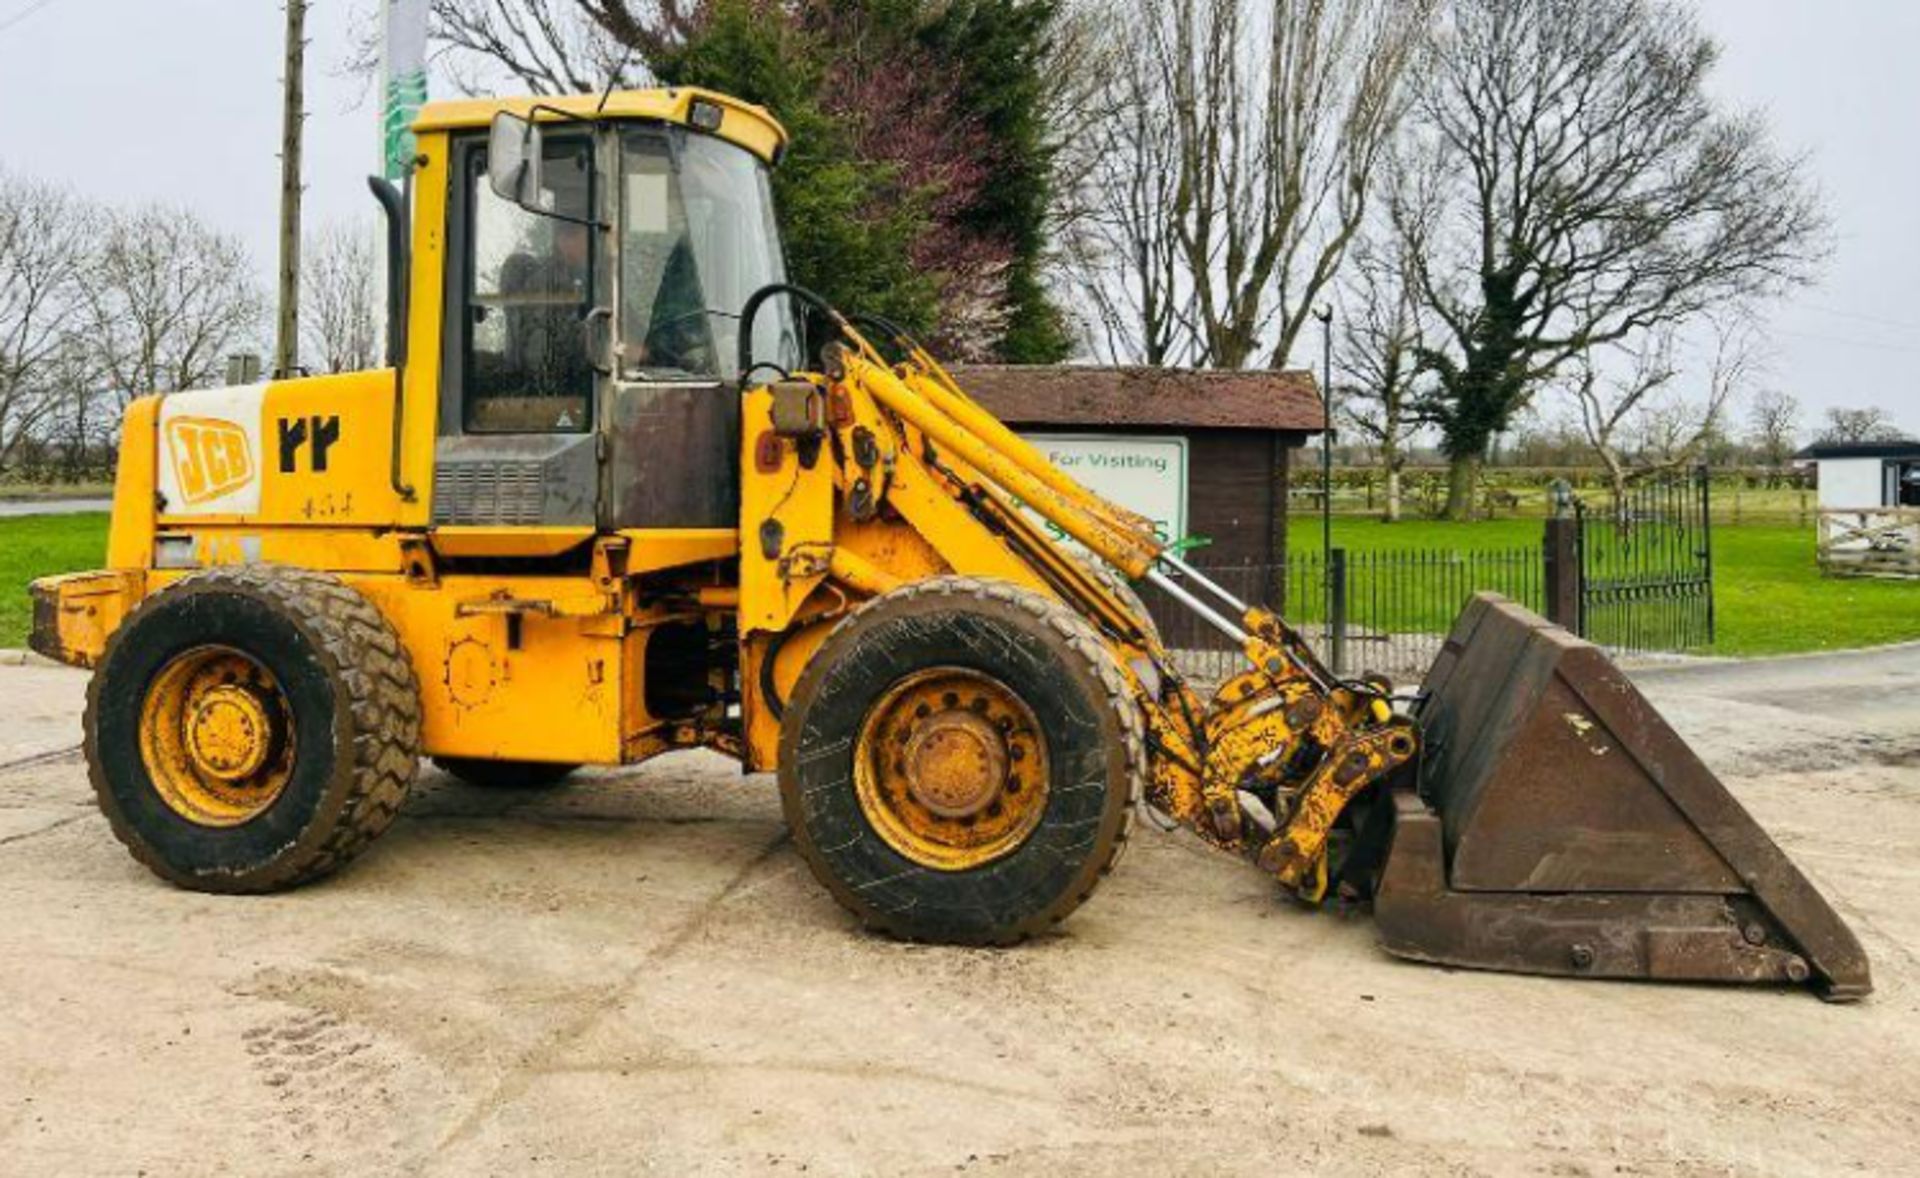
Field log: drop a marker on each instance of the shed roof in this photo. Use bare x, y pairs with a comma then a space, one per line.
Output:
1900, 448
1090, 396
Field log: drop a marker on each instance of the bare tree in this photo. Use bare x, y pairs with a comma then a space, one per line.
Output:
1673, 431
340, 300
1644, 406
549, 46
1773, 426
552, 46
82, 424
43, 236
167, 299
1548, 439
1117, 244
1597, 194
1871, 424
1248, 138
1377, 354
1607, 402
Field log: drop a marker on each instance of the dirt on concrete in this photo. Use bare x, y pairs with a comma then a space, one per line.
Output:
635, 974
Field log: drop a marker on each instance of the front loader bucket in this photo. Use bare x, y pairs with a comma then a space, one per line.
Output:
1559, 826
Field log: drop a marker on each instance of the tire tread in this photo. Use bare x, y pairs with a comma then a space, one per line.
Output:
379, 689
1085, 643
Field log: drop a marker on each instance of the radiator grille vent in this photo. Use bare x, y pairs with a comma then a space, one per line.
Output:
493, 492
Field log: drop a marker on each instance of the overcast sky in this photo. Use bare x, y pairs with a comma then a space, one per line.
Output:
178, 101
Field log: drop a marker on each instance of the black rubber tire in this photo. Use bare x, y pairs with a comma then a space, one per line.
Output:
1055, 661
1109, 576
356, 717
505, 774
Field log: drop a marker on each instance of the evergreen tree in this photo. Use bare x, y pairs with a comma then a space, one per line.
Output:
868, 223
918, 181
997, 49
846, 235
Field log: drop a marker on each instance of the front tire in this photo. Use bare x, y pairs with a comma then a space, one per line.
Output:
960, 762
250, 729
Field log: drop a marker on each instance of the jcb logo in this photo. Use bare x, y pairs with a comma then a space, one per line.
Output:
210, 457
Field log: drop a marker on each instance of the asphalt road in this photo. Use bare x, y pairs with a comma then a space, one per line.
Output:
12, 508
635, 974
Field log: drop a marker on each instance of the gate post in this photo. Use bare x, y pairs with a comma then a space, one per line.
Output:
1706, 543
1561, 548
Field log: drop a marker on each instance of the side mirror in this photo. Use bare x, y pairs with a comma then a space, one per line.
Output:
513, 160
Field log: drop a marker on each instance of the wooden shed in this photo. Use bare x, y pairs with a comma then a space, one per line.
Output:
1869, 507
1219, 441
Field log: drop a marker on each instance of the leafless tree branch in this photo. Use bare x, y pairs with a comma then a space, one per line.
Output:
1595, 194
1241, 154
44, 232
166, 299
340, 298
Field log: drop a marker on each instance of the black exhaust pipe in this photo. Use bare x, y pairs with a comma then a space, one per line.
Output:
399, 267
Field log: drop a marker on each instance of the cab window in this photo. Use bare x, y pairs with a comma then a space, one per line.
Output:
529, 287
697, 237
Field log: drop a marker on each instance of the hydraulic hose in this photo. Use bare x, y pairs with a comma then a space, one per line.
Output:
758, 298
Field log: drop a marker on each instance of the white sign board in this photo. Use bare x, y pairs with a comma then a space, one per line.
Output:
1147, 476
1852, 483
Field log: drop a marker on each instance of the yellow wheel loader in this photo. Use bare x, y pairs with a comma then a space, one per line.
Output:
623, 490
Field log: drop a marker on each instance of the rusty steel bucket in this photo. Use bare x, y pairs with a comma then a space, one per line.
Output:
1558, 825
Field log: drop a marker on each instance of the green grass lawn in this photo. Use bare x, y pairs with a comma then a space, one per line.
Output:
38, 546
1771, 598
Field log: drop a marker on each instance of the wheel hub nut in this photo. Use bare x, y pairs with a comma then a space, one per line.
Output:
956, 764
228, 733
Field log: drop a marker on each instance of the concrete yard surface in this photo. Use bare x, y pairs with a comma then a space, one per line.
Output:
634, 973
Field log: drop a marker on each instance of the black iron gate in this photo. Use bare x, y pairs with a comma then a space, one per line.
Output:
1646, 565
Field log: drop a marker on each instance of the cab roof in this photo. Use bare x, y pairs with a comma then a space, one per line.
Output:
741, 123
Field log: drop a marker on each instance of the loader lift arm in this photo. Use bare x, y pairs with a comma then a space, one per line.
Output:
1592, 874
1267, 766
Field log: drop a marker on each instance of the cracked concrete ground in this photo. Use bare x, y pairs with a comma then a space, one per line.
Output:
635, 973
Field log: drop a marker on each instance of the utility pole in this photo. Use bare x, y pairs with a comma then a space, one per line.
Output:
286, 352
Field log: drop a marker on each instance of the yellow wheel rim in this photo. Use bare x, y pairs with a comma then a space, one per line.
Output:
951, 769
216, 734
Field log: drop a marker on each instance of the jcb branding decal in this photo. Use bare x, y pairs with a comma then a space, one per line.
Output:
211, 458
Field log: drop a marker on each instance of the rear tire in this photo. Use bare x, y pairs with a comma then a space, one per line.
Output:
526, 775
250, 729
882, 835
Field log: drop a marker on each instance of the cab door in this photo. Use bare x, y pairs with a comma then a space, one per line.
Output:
520, 388
673, 414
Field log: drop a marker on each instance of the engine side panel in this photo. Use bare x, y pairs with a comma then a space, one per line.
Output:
312, 451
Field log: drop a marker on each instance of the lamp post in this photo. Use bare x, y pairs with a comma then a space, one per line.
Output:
1325, 316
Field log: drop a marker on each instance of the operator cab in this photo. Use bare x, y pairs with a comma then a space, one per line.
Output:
597, 267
